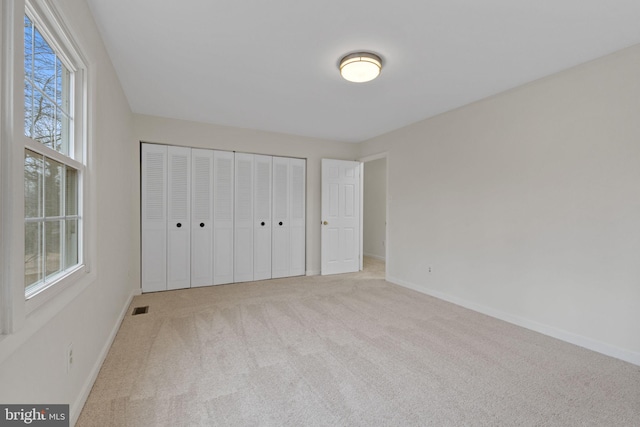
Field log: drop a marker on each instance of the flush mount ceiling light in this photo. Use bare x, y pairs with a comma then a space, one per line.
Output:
360, 67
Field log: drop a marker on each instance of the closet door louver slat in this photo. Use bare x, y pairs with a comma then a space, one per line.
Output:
223, 189
243, 227
262, 218
280, 251
179, 221
297, 230
154, 220
202, 218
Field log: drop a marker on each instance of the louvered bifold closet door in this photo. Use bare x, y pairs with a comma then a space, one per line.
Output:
154, 219
297, 266
179, 218
281, 248
223, 217
243, 226
262, 217
201, 217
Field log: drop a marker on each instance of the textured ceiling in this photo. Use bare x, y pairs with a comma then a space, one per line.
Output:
272, 65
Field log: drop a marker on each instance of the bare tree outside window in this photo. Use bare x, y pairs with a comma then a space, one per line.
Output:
47, 84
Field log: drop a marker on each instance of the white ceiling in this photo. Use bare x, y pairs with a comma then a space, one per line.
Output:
272, 64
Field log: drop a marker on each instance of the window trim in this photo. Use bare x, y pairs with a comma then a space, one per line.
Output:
11, 313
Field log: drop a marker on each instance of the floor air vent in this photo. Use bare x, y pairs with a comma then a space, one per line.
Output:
140, 310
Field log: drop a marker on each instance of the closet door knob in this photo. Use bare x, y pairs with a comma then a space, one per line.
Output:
262, 223
280, 223
202, 224
178, 225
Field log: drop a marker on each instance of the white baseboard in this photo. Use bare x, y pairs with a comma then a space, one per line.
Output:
579, 340
77, 406
381, 258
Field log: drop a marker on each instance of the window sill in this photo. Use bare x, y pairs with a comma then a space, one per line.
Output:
41, 296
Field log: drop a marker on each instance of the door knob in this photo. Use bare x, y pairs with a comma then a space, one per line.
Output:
280, 223
202, 224
325, 223
178, 225
262, 223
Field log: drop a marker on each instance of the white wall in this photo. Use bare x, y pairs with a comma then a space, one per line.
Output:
203, 135
33, 360
527, 205
375, 208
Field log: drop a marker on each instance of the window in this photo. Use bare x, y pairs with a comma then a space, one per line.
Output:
53, 157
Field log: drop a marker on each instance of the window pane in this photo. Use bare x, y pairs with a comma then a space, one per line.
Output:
28, 109
71, 192
47, 93
44, 120
32, 253
63, 78
44, 65
33, 169
28, 47
71, 243
61, 136
53, 188
53, 244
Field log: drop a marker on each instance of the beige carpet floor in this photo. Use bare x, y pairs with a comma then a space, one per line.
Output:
346, 350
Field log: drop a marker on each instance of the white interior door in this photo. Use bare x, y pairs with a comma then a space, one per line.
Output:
243, 225
201, 217
223, 217
340, 235
154, 217
262, 218
179, 218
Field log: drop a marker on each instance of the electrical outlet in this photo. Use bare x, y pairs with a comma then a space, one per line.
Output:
430, 269
69, 357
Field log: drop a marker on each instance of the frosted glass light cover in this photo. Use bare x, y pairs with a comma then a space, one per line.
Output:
360, 67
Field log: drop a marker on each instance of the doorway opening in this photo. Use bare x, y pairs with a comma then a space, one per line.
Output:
374, 215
